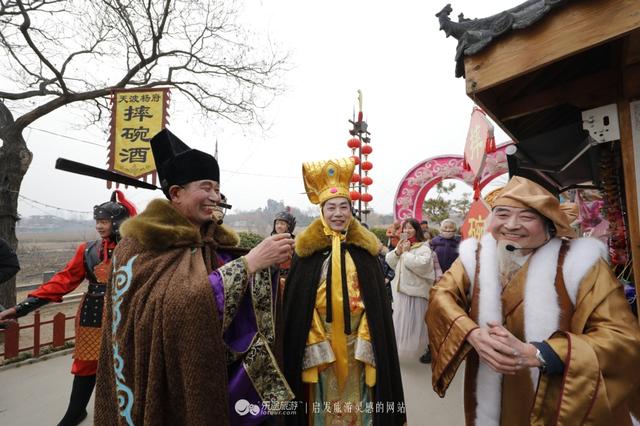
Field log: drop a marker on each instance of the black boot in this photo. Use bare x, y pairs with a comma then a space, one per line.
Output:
426, 357
80, 396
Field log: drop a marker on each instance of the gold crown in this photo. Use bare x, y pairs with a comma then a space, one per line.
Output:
327, 179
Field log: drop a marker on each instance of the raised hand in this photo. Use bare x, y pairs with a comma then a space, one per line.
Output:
272, 250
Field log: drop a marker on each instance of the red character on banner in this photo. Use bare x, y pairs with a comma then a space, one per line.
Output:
474, 223
480, 142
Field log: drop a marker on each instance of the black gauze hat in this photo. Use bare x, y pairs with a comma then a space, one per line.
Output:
177, 164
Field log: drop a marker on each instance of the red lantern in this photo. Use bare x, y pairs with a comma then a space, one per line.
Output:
366, 149
367, 165
353, 143
366, 197
355, 195
355, 178
367, 181
356, 159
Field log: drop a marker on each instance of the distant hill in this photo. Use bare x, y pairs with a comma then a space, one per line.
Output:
260, 220
50, 223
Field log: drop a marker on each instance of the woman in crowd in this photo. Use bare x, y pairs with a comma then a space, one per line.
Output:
413, 262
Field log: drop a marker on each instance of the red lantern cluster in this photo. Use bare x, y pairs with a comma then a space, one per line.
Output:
360, 181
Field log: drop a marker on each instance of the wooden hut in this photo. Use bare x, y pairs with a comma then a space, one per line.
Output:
562, 78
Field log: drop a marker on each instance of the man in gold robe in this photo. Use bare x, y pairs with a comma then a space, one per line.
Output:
340, 355
543, 324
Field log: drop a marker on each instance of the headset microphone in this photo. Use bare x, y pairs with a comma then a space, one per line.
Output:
512, 248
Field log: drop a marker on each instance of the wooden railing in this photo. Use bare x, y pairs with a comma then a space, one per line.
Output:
12, 335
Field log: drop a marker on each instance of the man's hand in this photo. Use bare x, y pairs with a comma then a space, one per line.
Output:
7, 316
272, 250
525, 352
499, 356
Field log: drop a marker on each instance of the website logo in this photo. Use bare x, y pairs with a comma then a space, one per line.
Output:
244, 407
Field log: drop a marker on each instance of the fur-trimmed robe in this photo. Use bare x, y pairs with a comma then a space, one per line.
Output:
588, 324
162, 359
312, 248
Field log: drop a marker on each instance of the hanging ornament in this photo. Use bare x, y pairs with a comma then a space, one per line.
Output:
356, 159
366, 181
355, 195
353, 143
355, 178
480, 141
366, 197
367, 165
366, 149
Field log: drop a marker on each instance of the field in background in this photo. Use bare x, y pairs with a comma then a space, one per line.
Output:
40, 252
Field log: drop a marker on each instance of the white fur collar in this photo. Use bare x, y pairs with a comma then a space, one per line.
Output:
541, 306
583, 254
467, 250
489, 390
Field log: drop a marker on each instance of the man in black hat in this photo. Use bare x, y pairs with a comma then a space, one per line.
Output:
189, 335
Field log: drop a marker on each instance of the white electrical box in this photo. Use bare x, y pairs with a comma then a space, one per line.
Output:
602, 123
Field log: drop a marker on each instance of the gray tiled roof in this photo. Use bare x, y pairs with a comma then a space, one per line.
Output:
473, 35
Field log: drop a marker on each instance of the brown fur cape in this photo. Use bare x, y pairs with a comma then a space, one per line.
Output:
162, 360
312, 248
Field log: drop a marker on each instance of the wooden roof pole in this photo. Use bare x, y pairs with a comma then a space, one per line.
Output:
631, 190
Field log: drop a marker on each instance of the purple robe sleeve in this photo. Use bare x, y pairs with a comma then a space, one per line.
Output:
217, 284
218, 291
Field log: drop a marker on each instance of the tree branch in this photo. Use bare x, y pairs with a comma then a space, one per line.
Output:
24, 29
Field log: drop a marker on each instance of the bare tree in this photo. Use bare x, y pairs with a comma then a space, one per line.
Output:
60, 52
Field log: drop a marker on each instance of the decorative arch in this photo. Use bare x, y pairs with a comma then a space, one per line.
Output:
425, 175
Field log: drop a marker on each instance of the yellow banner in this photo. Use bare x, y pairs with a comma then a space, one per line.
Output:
137, 117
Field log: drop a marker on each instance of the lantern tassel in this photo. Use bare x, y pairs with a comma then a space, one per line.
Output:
491, 144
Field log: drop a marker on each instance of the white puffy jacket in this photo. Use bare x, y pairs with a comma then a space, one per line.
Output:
415, 273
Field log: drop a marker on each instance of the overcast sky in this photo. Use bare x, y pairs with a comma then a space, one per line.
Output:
392, 51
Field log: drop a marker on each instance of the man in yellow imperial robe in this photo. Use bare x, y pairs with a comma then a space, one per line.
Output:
543, 324
340, 355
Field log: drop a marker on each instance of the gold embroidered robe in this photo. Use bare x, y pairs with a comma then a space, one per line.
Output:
329, 404
600, 348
